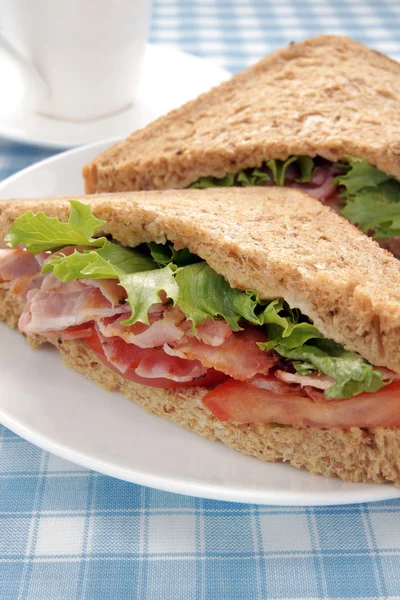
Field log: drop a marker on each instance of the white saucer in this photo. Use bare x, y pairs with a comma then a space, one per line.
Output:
169, 78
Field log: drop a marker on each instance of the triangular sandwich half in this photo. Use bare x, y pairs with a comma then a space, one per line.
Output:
257, 317
329, 99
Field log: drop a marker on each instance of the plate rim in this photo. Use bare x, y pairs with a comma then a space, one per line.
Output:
103, 145
210, 492
170, 483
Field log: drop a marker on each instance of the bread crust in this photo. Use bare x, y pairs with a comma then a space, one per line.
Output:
277, 241
324, 96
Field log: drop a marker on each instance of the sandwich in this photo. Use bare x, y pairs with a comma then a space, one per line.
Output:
321, 115
276, 333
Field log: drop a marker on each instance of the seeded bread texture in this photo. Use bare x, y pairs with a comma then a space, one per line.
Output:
355, 455
327, 96
279, 242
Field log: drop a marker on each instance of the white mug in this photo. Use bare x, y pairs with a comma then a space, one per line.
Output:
80, 59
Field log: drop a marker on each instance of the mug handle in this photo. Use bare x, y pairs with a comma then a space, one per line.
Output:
29, 71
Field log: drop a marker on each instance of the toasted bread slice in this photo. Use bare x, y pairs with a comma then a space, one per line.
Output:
277, 241
327, 96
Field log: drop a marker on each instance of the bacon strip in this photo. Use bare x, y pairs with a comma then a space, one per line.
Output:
272, 384
156, 364
163, 329
22, 285
168, 324
321, 382
15, 263
239, 356
72, 333
213, 333
57, 305
119, 354
110, 288
149, 363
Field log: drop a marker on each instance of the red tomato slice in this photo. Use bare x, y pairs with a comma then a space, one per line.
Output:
241, 402
212, 377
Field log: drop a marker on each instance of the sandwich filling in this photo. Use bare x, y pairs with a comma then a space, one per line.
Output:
160, 316
364, 195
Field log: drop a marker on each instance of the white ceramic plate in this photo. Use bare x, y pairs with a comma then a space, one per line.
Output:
169, 78
62, 412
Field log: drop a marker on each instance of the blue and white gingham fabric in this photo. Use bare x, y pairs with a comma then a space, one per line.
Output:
236, 33
67, 533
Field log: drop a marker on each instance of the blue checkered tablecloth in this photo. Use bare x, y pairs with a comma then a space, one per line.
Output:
69, 534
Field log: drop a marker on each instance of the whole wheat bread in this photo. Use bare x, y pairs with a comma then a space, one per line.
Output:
327, 96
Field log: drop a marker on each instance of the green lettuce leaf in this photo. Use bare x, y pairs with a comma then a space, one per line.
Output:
80, 265
284, 327
304, 368
144, 289
372, 198
352, 374
359, 175
307, 168
253, 177
160, 253
278, 169
229, 180
39, 232
294, 338
164, 254
370, 210
203, 294
108, 262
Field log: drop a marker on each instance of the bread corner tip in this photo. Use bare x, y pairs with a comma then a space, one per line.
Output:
89, 173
